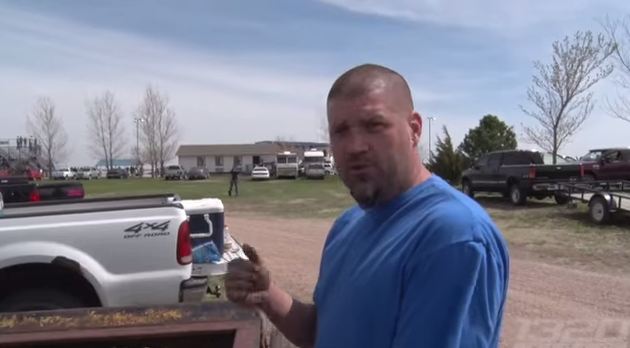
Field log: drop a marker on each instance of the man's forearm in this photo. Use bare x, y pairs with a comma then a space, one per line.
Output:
296, 320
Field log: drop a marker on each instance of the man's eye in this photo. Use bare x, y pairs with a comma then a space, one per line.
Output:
340, 130
373, 126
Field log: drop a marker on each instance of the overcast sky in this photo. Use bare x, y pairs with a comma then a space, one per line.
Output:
243, 71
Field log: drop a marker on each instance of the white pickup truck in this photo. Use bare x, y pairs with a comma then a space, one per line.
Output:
96, 252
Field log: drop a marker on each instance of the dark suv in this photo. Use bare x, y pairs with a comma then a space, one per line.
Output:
519, 174
607, 164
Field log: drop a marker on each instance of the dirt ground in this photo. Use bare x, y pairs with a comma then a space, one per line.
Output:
549, 305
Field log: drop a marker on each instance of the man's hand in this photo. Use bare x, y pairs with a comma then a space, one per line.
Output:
247, 282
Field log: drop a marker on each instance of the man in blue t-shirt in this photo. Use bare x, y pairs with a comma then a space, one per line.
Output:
414, 264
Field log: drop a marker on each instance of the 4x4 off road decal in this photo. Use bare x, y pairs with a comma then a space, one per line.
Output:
147, 229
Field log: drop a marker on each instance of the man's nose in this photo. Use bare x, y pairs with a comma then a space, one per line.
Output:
356, 143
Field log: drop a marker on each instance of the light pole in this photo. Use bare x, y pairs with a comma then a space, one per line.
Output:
137, 121
431, 119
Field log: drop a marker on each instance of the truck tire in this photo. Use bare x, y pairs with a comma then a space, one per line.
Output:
467, 188
598, 210
39, 299
517, 195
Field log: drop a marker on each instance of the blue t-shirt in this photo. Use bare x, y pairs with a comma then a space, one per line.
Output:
428, 269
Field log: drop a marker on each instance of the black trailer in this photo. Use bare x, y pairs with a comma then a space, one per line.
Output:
604, 198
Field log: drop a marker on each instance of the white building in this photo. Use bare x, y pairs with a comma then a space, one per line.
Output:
221, 158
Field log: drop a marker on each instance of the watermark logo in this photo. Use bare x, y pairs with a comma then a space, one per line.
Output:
596, 333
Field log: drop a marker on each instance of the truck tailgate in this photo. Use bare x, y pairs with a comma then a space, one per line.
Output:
560, 172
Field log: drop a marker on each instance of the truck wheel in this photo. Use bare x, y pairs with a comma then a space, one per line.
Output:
39, 299
517, 195
598, 210
467, 189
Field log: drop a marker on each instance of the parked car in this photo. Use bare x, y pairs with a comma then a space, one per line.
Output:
175, 172
315, 171
88, 173
63, 174
607, 164
196, 173
519, 174
260, 173
117, 173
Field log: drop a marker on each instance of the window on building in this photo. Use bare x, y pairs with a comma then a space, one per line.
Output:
218, 161
237, 160
201, 162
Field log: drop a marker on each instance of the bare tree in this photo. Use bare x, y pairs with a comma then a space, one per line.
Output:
45, 126
619, 33
559, 93
106, 129
159, 129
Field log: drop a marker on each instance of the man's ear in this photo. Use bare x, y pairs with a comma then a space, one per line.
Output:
415, 125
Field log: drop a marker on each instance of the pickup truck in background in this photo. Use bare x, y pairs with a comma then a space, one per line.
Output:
63, 174
96, 252
88, 173
16, 190
519, 174
20, 190
607, 164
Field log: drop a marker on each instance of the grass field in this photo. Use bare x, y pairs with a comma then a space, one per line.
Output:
541, 228
285, 198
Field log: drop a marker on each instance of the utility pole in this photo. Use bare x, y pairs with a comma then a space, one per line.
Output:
431, 119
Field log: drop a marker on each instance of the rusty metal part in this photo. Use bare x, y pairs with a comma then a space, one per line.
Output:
231, 325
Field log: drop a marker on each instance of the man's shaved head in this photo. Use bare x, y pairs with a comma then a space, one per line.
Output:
374, 133
367, 78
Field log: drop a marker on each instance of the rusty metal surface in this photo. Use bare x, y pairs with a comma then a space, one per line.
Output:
100, 324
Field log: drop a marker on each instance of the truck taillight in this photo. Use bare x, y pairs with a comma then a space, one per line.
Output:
532, 171
581, 170
34, 196
184, 245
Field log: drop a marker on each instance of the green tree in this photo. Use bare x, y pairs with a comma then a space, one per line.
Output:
446, 162
491, 134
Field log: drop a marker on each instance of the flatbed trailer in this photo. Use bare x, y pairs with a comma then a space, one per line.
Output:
604, 198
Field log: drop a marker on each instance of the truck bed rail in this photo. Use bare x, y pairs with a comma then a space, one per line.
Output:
87, 205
